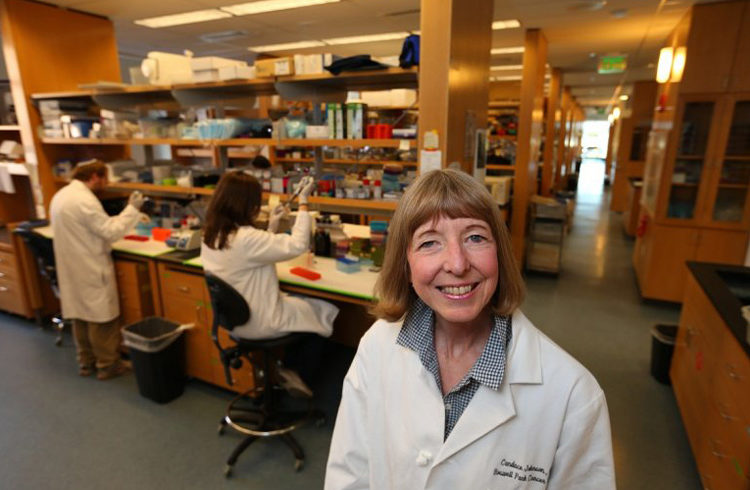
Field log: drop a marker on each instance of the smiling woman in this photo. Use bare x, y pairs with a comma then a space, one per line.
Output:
454, 387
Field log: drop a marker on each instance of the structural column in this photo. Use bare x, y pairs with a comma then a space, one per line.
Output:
553, 128
530, 133
456, 38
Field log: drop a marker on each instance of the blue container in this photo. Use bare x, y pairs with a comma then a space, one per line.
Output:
347, 265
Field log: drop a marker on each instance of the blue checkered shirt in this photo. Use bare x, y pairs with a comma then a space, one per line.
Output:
418, 334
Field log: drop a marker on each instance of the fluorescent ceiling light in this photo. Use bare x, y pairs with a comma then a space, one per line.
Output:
505, 79
263, 6
506, 67
366, 39
624, 97
664, 69
183, 18
516, 49
286, 46
505, 24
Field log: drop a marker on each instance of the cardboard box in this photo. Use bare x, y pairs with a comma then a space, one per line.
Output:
274, 67
236, 72
499, 188
543, 256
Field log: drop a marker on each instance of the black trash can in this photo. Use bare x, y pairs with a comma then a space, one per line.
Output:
157, 350
662, 348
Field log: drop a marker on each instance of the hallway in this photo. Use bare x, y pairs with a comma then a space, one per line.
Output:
60, 431
593, 310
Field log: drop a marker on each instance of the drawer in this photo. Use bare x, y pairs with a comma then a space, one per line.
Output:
198, 346
700, 348
8, 265
11, 297
721, 462
183, 285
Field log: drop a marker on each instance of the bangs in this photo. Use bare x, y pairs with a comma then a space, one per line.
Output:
448, 200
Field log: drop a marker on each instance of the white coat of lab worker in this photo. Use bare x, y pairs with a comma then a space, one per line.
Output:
248, 264
83, 233
546, 427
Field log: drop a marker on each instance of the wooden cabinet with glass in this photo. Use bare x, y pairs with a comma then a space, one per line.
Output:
697, 180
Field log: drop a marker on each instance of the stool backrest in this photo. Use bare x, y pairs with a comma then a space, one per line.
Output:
229, 307
42, 250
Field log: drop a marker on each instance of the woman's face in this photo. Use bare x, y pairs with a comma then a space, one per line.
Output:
453, 264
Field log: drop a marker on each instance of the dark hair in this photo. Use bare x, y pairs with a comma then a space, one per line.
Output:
450, 194
85, 170
236, 202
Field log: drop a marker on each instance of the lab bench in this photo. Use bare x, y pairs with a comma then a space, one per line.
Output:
710, 373
153, 279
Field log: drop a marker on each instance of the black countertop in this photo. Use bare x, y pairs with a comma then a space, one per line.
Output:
725, 285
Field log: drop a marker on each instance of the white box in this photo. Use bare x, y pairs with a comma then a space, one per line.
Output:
202, 76
317, 132
213, 63
403, 96
236, 72
499, 188
313, 64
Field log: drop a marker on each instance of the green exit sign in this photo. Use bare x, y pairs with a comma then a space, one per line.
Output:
612, 64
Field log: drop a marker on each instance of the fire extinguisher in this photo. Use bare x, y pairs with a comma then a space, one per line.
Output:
642, 225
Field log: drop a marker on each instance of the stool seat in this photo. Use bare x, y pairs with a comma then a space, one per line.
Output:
260, 344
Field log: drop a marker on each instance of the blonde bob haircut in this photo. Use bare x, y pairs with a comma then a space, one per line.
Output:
443, 194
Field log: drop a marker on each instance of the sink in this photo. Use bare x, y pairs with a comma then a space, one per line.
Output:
738, 284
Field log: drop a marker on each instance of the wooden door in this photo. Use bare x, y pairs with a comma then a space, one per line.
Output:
714, 32
666, 269
741, 70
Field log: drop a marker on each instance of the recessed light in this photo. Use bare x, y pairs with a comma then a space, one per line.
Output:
263, 6
624, 97
505, 24
516, 49
183, 18
286, 46
366, 39
506, 67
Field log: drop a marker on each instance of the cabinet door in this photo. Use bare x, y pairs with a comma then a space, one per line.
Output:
666, 269
728, 197
688, 175
714, 31
741, 70
721, 246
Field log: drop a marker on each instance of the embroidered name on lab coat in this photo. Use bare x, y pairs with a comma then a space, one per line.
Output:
528, 473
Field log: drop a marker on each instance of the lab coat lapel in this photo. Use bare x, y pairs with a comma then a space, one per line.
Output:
488, 408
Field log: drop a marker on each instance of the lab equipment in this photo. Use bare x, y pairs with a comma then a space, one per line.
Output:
167, 68
185, 240
347, 265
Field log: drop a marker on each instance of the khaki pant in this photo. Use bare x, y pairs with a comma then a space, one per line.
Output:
97, 343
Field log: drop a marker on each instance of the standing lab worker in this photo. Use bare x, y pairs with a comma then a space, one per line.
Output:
453, 387
245, 257
83, 233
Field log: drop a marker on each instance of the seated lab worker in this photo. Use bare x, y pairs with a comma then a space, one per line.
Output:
453, 387
83, 233
245, 256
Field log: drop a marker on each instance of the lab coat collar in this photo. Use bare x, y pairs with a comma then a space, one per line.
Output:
80, 185
490, 408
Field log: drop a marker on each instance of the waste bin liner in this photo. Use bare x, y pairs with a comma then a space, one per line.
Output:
662, 347
157, 350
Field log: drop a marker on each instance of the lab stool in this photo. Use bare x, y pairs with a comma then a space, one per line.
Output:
43, 252
255, 413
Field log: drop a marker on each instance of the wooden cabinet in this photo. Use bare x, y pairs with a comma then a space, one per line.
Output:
662, 252
134, 290
185, 299
633, 208
13, 295
714, 34
740, 80
696, 193
711, 379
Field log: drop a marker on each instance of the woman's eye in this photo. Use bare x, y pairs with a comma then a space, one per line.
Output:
426, 244
477, 238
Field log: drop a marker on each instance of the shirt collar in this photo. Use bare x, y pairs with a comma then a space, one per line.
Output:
417, 334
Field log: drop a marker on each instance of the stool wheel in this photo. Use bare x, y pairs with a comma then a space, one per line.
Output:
58, 342
227, 471
220, 430
299, 464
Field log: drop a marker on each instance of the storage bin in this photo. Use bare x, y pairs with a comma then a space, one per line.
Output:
662, 348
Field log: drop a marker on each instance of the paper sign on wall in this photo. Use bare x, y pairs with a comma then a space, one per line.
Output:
430, 160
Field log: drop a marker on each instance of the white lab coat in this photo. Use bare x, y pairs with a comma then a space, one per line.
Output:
248, 265
83, 233
546, 427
